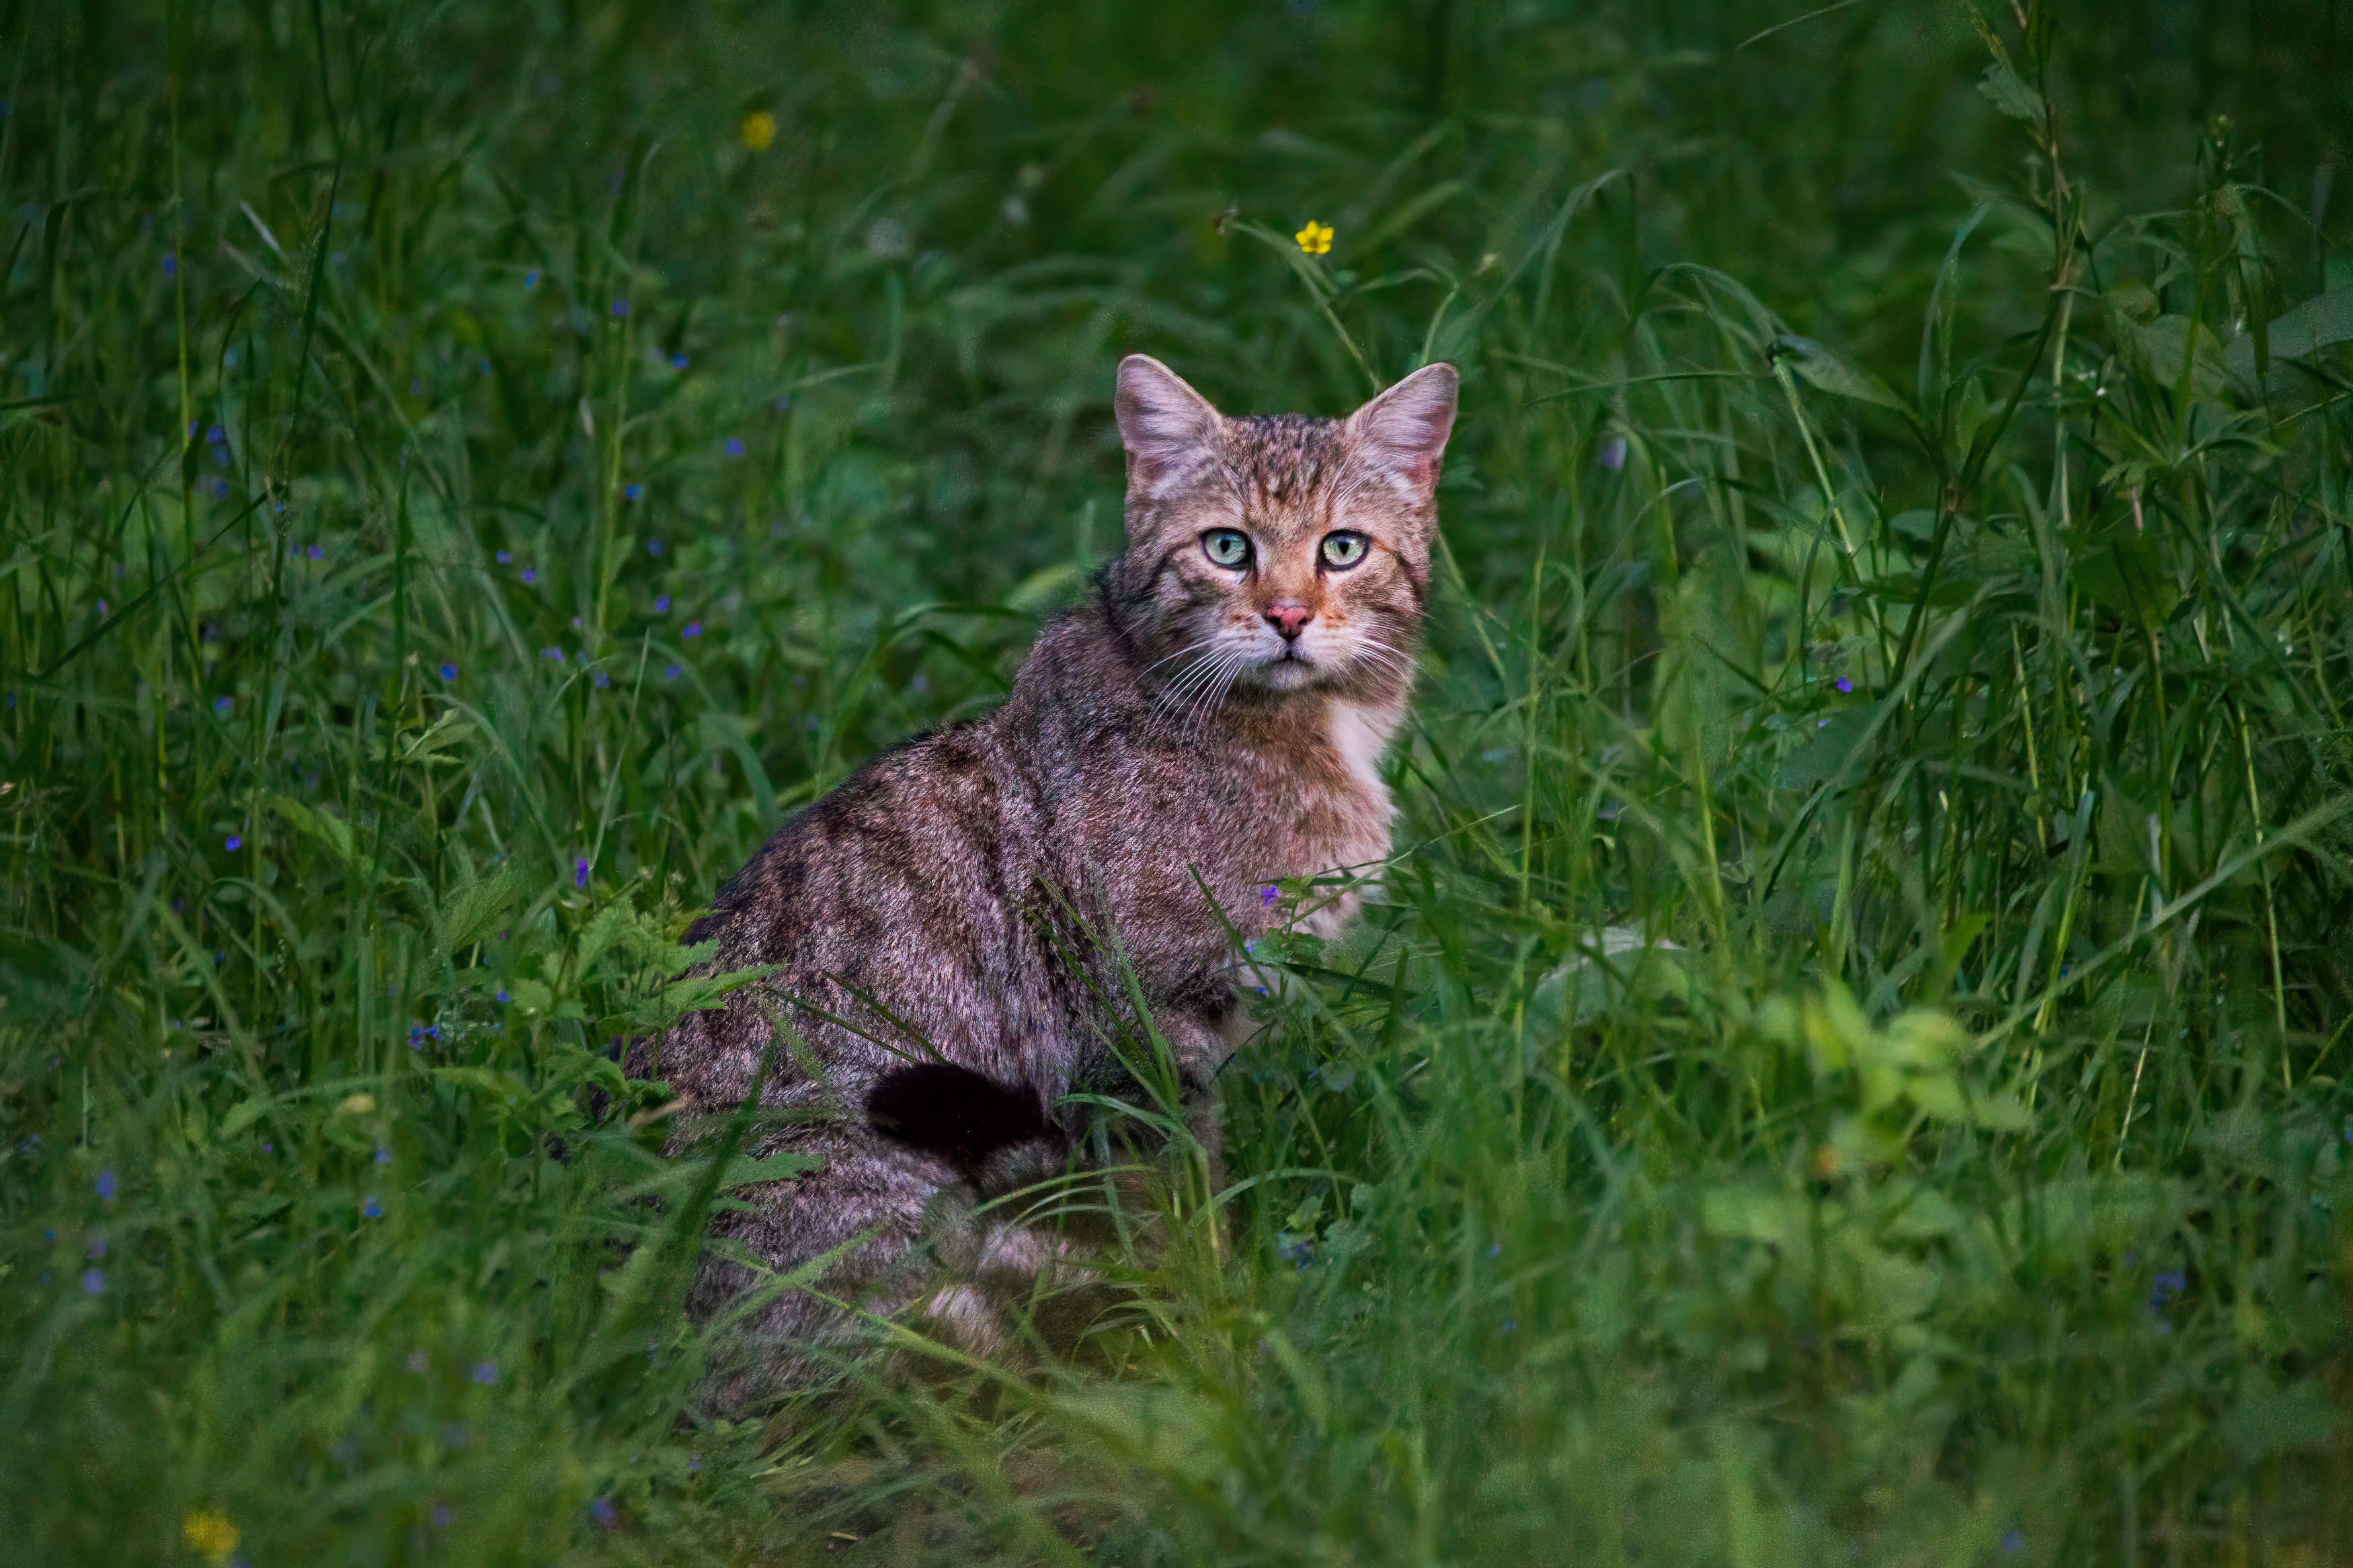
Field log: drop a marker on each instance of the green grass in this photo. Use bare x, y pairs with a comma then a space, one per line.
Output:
1878, 565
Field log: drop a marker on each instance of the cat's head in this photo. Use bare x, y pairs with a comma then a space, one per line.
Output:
1279, 554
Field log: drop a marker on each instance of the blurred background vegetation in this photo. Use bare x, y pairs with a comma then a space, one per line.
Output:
1849, 1065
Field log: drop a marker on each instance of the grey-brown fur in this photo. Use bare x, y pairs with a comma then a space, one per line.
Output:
1163, 737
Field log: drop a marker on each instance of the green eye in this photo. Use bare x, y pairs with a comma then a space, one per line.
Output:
1227, 547
1344, 549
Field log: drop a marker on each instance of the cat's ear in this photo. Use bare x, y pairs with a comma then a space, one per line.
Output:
1167, 427
1402, 433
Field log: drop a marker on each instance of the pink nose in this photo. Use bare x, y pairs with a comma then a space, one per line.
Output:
1287, 615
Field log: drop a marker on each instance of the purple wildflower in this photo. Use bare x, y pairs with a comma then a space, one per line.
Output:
620, 307
486, 1371
371, 1208
653, 547
234, 844
607, 1516
678, 361
670, 673
171, 265
317, 553
633, 490
448, 672
504, 557
579, 873
1613, 453
530, 573
97, 1248
1267, 896
662, 605
531, 279
383, 1155
106, 1185
735, 447
93, 1281
1845, 684
222, 704
693, 629
2014, 1539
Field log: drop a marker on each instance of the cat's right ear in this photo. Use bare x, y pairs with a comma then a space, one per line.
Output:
1167, 427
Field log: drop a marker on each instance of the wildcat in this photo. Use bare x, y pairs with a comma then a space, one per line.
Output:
952, 929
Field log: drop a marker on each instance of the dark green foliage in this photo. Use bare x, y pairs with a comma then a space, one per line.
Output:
1850, 1067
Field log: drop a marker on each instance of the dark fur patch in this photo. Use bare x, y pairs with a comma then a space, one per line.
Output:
960, 1115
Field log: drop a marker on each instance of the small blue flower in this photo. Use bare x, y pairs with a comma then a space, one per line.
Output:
554, 653
171, 265
693, 629
620, 307
1495, 1249
503, 996
1511, 1325
653, 547
678, 361
102, 609
317, 553
579, 873
216, 434
600, 678
694, 1461
633, 490
486, 1371
383, 1155
106, 1185
94, 1282
234, 843
662, 605
441, 1516
2014, 1539
735, 447
97, 1248
605, 1515
531, 279
222, 704
1845, 684
486, 367
371, 1208
1613, 453
448, 672
670, 673
530, 573
1267, 897
504, 557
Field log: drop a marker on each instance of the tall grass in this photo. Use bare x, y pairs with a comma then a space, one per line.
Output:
1848, 1063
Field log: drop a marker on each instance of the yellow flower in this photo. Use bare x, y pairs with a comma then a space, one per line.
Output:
759, 129
210, 1532
1315, 239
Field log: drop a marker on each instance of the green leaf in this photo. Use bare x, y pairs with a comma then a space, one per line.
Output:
1832, 371
2003, 86
2275, 1420
2321, 321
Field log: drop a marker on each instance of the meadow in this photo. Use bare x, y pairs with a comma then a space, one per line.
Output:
1849, 1065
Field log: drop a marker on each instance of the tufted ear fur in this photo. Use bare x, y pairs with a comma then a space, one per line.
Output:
1402, 433
1167, 427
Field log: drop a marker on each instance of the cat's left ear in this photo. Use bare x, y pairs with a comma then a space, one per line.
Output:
1402, 433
